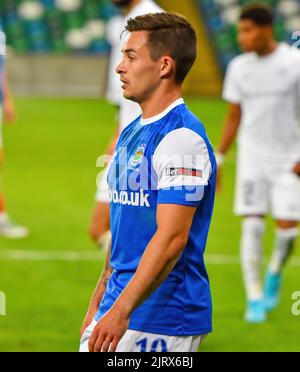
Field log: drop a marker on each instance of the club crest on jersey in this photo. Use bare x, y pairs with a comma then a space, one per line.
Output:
137, 157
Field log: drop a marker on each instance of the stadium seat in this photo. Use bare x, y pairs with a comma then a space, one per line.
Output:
289, 7
231, 14
228, 3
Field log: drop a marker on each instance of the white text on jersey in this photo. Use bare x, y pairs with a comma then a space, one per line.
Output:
134, 199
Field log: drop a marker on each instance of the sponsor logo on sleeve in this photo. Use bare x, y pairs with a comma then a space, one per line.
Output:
173, 172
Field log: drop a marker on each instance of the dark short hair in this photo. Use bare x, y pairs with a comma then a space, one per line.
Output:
260, 14
170, 34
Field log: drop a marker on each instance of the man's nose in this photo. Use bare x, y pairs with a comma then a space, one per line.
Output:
120, 68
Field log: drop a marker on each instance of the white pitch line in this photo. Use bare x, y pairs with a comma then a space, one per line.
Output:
71, 256
92, 256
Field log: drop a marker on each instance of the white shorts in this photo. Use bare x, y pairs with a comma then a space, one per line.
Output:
265, 185
102, 195
134, 341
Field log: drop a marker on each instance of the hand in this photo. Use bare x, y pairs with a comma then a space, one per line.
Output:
296, 169
109, 331
9, 111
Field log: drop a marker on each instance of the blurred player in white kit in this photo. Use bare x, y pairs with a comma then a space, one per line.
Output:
263, 89
127, 110
8, 229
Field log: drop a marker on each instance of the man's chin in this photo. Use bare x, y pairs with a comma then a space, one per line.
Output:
129, 96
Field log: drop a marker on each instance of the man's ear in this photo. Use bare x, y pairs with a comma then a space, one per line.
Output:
167, 67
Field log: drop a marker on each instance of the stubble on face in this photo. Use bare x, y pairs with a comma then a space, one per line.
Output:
139, 72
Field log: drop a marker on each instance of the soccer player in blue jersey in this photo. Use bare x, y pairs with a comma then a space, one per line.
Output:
154, 293
128, 110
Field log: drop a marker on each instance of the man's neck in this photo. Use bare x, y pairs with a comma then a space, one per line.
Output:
268, 49
132, 5
159, 102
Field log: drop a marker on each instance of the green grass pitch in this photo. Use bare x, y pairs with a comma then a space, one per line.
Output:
49, 181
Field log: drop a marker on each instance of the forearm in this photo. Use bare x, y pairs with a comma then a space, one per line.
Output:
6, 88
99, 291
230, 129
112, 145
228, 137
101, 285
156, 264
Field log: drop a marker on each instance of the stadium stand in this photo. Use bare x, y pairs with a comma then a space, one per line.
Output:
67, 27
78, 26
205, 78
220, 17
56, 26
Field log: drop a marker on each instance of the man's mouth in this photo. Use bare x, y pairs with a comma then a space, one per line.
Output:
124, 83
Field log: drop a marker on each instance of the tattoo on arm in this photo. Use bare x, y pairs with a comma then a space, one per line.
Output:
107, 269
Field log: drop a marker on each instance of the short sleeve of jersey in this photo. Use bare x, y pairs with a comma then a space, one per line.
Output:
182, 165
231, 89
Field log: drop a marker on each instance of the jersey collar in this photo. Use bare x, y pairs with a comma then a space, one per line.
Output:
158, 117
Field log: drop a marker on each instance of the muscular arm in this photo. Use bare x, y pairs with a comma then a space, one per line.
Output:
162, 253
174, 224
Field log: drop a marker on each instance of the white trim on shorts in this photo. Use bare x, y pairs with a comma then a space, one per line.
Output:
135, 341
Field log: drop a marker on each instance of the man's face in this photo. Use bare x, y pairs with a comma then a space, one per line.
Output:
139, 74
121, 3
251, 37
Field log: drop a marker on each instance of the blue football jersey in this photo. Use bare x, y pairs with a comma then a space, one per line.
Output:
167, 159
